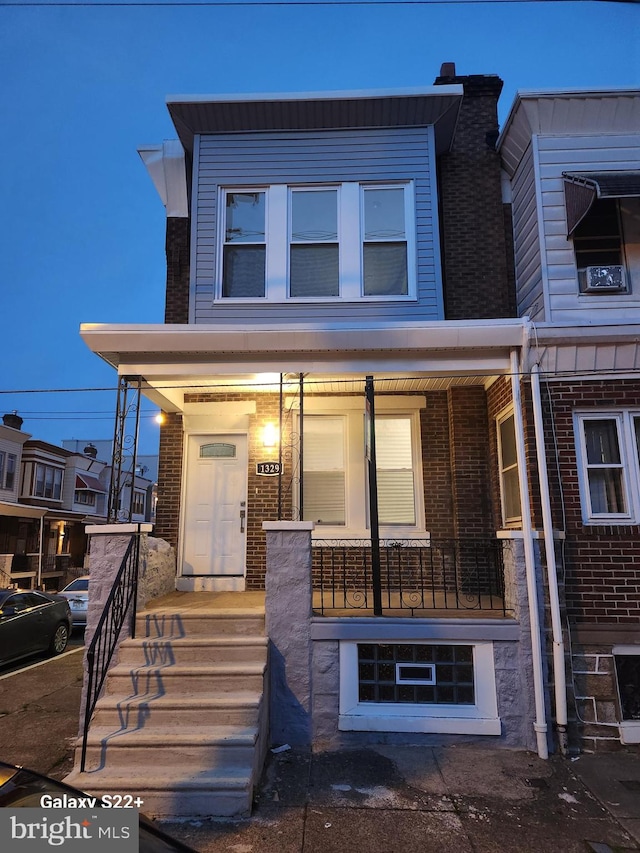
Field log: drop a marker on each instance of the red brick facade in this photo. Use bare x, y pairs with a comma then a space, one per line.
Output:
602, 561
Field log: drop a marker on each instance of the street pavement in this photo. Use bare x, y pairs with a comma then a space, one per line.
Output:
460, 797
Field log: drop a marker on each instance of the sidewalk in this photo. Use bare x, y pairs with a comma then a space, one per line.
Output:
462, 798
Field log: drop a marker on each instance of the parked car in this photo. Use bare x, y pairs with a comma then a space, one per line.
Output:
77, 594
32, 622
20, 788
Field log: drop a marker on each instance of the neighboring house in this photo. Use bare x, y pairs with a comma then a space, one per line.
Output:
146, 468
315, 240
573, 161
51, 495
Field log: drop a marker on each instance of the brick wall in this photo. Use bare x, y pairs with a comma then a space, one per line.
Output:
169, 479
477, 262
177, 252
471, 482
436, 466
602, 561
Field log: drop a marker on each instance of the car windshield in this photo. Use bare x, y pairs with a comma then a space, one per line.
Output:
79, 585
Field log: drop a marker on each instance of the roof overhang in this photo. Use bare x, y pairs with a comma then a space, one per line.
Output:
22, 511
581, 189
430, 105
178, 359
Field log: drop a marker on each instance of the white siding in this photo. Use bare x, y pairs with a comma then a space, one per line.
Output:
336, 156
564, 153
14, 447
528, 260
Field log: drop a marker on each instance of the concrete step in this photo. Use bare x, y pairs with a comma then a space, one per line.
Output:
159, 623
240, 708
175, 792
190, 650
202, 747
128, 681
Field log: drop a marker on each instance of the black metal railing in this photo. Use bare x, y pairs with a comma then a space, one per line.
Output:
122, 600
417, 576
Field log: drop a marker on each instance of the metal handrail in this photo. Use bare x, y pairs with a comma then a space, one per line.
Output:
122, 598
416, 575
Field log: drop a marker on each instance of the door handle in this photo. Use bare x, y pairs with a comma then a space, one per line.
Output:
242, 516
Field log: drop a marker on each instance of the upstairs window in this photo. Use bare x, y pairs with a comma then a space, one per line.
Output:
244, 250
47, 482
347, 241
138, 502
8, 463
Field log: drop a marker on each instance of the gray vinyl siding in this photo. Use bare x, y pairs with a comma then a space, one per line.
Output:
558, 154
262, 159
528, 261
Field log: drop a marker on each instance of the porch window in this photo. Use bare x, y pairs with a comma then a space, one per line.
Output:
324, 470
394, 467
508, 462
335, 490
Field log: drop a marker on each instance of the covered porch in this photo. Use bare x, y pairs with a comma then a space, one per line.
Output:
273, 425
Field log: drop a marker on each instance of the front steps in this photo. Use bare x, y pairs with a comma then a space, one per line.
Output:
182, 722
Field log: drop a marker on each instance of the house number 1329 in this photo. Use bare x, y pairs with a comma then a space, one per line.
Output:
269, 469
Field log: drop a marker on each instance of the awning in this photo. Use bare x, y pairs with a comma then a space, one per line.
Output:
581, 189
22, 511
90, 484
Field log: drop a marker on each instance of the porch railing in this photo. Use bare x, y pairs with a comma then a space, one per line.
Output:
418, 577
122, 599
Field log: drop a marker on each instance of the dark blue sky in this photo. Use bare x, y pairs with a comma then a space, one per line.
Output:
82, 230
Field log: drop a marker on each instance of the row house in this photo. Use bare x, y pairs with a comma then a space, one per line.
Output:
375, 434
573, 165
345, 442
49, 495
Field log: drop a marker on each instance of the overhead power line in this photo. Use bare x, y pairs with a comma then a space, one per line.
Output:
287, 3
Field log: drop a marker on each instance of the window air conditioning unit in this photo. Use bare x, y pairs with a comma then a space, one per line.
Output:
604, 279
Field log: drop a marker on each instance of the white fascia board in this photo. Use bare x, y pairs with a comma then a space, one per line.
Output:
166, 166
584, 333
335, 364
180, 340
14, 435
340, 95
22, 510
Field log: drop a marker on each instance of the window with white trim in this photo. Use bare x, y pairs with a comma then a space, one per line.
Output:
508, 466
346, 241
405, 686
8, 463
335, 490
608, 446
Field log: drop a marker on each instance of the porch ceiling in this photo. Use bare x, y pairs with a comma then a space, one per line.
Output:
178, 360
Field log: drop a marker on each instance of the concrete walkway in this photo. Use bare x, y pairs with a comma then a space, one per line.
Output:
401, 799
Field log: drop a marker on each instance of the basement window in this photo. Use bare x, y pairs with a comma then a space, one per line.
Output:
627, 665
447, 688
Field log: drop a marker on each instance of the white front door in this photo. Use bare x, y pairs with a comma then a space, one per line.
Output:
214, 531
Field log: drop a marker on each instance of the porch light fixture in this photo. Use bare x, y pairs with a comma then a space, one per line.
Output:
159, 418
269, 435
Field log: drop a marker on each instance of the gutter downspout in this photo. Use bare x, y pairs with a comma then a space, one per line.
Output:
540, 724
559, 672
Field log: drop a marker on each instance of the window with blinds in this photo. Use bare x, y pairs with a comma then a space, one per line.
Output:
394, 466
324, 470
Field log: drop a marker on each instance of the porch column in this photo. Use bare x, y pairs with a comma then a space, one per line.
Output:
288, 609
